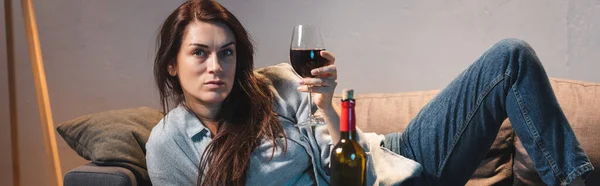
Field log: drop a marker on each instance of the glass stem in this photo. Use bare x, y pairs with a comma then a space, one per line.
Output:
310, 102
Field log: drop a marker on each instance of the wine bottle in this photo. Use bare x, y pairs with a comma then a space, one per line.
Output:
348, 160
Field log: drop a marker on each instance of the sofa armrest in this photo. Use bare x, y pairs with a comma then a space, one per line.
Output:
95, 175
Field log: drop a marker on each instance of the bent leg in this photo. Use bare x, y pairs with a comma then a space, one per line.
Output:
452, 134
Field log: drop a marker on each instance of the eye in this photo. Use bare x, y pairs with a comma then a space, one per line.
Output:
227, 52
198, 53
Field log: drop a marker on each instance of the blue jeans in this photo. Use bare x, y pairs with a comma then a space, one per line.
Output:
452, 133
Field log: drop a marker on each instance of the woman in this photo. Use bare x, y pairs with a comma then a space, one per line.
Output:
231, 126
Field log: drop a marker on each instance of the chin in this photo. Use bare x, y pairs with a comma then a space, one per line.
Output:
213, 97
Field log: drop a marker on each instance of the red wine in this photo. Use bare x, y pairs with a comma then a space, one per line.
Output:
348, 159
304, 60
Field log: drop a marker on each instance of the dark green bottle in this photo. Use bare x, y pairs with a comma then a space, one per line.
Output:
348, 159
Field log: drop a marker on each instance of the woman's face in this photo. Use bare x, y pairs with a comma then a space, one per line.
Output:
206, 62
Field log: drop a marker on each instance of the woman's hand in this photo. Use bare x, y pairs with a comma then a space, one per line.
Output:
323, 84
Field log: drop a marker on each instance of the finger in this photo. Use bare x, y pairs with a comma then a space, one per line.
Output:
327, 55
318, 82
326, 71
323, 90
327, 75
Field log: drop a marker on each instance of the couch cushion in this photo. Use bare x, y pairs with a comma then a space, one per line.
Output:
580, 101
374, 111
113, 138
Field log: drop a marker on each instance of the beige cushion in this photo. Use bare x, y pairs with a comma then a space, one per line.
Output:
374, 111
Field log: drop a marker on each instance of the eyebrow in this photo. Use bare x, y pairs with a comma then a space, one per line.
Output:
206, 46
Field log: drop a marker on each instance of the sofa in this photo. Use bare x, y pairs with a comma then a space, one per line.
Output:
506, 163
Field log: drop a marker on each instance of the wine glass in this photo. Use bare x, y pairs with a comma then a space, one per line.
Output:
305, 55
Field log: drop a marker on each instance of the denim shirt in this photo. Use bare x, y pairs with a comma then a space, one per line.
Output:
177, 142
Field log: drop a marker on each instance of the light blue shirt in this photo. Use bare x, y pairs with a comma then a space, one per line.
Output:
177, 142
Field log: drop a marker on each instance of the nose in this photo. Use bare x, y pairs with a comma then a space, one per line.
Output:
213, 65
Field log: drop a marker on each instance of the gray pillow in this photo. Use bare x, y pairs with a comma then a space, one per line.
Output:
113, 138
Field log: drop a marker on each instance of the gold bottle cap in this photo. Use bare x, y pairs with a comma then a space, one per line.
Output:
347, 94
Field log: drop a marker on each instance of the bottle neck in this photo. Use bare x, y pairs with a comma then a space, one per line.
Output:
348, 120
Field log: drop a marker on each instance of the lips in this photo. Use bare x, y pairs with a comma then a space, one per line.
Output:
214, 83
219, 82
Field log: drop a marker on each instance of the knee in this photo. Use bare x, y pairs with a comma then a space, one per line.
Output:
513, 45
516, 52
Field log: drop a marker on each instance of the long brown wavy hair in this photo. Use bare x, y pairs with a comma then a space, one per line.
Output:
246, 115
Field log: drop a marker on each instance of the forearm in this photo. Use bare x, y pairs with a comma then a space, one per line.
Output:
332, 118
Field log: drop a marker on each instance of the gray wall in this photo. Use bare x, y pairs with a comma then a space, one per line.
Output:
413, 45
98, 54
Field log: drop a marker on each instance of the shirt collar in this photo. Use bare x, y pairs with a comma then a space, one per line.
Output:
192, 125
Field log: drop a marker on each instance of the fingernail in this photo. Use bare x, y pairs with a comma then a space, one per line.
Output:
299, 88
313, 72
301, 82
